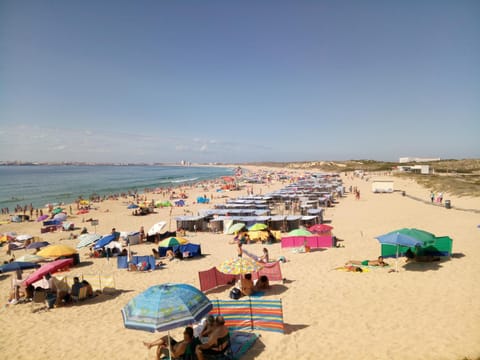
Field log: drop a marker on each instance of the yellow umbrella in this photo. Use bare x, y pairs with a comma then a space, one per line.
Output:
239, 266
55, 251
173, 241
181, 240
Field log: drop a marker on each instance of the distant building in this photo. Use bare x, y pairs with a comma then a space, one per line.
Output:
418, 169
416, 159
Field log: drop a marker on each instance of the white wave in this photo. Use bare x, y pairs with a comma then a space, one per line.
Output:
184, 180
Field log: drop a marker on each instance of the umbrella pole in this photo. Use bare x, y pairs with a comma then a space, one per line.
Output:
396, 260
169, 349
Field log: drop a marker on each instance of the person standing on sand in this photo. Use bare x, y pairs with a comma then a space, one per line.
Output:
432, 196
239, 249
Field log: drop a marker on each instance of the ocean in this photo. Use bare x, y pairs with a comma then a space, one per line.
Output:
40, 185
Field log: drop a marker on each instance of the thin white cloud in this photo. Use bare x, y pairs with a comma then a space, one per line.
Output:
38, 143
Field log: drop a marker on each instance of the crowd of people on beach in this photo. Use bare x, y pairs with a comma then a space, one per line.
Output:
56, 292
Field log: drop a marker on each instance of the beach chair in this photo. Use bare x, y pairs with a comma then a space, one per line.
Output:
39, 297
82, 294
227, 353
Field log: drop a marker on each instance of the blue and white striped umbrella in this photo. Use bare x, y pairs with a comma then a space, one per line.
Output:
87, 239
164, 307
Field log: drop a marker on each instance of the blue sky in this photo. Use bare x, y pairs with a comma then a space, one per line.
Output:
235, 81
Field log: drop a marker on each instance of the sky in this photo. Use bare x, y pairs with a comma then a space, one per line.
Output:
239, 81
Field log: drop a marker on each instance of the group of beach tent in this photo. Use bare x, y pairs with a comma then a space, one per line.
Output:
426, 244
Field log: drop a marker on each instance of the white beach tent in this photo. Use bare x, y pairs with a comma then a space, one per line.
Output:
155, 229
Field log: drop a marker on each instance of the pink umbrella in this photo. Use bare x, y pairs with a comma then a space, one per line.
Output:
41, 218
52, 267
320, 228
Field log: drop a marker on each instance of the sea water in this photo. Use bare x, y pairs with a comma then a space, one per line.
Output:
40, 185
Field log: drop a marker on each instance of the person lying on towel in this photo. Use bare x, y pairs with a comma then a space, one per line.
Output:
378, 262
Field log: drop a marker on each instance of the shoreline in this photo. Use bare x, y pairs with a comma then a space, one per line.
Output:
124, 190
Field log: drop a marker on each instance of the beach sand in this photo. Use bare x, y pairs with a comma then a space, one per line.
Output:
425, 311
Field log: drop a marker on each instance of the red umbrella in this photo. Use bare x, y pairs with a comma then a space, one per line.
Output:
228, 179
320, 228
52, 267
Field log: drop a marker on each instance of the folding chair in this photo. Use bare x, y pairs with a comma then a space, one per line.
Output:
39, 297
227, 353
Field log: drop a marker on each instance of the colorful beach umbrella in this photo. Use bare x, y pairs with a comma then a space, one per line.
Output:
172, 241
60, 216
42, 217
24, 237
320, 228
38, 245
57, 211
398, 239
164, 307
235, 228
239, 266
34, 258
17, 265
87, 240
300, 232
49, 268
55, 251
258, 227
104, 241
156, 228
425, 237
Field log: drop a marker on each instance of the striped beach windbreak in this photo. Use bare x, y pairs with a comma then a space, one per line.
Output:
250, 314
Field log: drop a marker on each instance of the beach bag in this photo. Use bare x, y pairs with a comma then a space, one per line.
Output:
235, 294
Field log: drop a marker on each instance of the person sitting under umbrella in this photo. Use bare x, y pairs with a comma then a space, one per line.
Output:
178, 349
218, 341
378, 262
246, 285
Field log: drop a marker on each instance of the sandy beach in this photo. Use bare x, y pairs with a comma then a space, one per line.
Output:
425, 311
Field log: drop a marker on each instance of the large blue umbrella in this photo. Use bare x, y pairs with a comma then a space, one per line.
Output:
164, 307
398, 239
104, 241
17, 265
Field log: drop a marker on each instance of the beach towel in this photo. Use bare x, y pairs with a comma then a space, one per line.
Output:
257, 294
343, 268
241, 342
